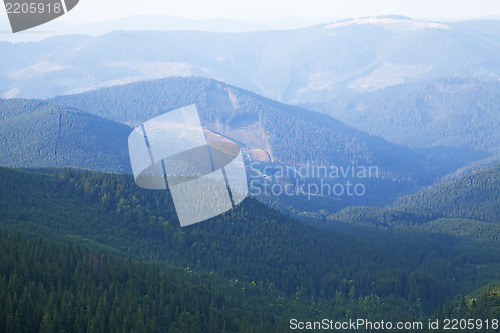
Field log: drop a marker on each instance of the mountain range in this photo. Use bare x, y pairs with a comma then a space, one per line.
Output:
415, 100
156, 22
452, 112
272, 132
90, 130
253, 246
307, 65
417, 83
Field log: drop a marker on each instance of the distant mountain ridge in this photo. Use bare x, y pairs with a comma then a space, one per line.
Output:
288, 134
160, 23
283, 135
452, 112
36, 134
307, 65
421, 84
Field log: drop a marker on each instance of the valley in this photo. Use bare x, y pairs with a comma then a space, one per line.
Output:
371, 148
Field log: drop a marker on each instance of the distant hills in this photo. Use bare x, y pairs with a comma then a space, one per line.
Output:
287, 134
417, 83
421, 84
467, 207
36, 134
449, 112
306, 65
158, 22
60, 133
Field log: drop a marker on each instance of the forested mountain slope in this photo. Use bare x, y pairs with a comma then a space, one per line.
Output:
251, 243
47, 287
475, 196
288, 134
450, 112
44, 135
36, 134
468, 207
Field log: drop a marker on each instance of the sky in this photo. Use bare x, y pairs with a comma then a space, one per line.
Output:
99, 10
312, 12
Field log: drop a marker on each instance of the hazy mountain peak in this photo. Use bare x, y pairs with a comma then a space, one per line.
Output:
308, 65
391, 23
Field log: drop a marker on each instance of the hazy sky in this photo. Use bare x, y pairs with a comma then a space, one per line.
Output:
97, 10
103, 10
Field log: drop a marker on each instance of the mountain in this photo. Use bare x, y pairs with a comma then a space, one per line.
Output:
286, 133
315, 270
36, 134
453, 112
467, 207
157, 22
307, 65
272, 132
279, 142
475, 196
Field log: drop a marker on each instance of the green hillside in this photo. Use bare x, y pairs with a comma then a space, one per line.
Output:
467, 207
252, 244
449, 112
47, 287
36, 134
290, 134
475, 196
